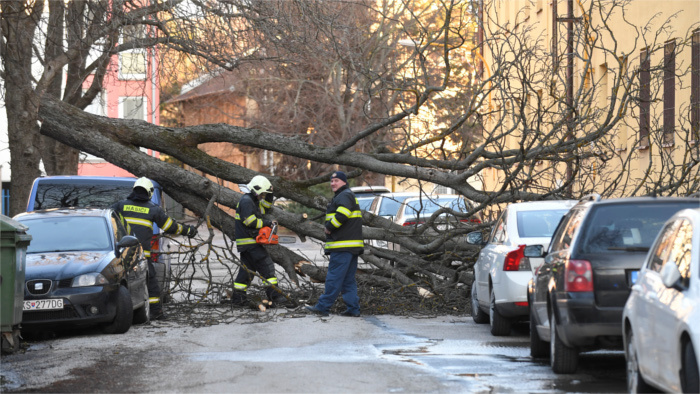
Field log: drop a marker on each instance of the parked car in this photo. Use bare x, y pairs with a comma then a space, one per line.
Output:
661, 319
576, 297
51, 192
82, 269
387, 206
365, 194
501, 272
416, 211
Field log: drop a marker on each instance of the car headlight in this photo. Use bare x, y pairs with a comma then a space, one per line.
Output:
91, 279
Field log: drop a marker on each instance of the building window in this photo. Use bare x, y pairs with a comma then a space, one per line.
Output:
695, 88
669, 92
132, 62
132, 108
644, 98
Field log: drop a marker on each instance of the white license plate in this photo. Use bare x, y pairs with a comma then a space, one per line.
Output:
43, 305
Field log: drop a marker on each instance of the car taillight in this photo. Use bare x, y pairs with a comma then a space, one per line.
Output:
578, 275
155, 247
472, 220
412, 223
516, 260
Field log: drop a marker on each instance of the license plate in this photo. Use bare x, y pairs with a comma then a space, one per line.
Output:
43, 305
634, 275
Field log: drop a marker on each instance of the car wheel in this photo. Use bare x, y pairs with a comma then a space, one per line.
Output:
538, 347
563, 359
479, 316
143, 314
635, 380
500, 326
124, 316
689, 371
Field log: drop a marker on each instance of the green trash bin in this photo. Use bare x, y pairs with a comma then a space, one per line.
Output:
13, 252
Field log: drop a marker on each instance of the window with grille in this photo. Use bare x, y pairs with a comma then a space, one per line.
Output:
644, 98
132, 62
133, 108
669, 92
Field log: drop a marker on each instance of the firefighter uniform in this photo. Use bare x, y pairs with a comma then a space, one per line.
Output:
254, 257
344, 244
138, 214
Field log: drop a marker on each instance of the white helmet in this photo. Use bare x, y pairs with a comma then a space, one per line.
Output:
259, 185
146, 184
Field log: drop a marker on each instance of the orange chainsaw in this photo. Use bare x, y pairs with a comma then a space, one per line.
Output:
268, 235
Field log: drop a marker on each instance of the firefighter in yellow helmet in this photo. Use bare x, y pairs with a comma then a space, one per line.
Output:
138, 214
254, 257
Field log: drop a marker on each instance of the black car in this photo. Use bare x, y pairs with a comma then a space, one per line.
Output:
577, 296
82, 269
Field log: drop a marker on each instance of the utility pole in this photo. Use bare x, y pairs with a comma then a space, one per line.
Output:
570, 20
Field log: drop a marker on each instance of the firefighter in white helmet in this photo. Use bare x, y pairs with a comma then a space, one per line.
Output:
138, 214
254, 257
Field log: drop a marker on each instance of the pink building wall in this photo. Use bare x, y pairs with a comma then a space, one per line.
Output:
117, 87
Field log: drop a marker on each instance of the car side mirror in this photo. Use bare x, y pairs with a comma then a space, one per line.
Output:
671, 276
127, 242
534, 251
476, 238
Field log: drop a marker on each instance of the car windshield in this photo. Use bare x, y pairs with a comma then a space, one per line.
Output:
630, 227
64, 195
427, 206
67, 234
391, 204
539, 223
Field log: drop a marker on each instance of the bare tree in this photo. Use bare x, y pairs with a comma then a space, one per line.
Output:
368, 95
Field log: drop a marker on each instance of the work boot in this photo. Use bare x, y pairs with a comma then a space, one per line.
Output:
239, 299
316, 311
158, 315
282, 302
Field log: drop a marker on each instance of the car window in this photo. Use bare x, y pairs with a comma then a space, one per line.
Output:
538, 223
64, 195
499, 231
663, 247
427, 206
681, 250
562, 240
68, 234
119, 231
625, 227
390, 205
364, 202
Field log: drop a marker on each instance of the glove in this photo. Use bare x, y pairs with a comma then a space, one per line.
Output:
190, 231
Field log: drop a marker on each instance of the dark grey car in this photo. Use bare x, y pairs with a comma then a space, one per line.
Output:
83, 269
577, 296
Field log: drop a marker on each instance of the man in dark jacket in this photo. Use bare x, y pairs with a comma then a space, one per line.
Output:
344, 244
138, 214
254, 257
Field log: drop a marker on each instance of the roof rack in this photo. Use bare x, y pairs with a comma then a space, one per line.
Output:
591, 197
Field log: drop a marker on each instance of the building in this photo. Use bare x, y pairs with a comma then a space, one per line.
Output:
633, 86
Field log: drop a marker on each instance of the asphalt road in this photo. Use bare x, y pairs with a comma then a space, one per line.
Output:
295, 352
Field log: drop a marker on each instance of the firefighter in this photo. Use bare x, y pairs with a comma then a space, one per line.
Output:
344, 244
254, 257
138, 214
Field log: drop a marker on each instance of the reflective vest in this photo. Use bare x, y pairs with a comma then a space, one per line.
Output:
249, 220
344, 221
138, 218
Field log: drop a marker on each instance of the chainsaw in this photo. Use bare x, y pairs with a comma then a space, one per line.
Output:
268, 235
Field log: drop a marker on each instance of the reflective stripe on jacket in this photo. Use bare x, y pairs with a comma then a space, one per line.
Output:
249, 220
138, 218
344, 221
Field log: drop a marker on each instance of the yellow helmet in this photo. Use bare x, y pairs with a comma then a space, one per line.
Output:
259, 185
146, 184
